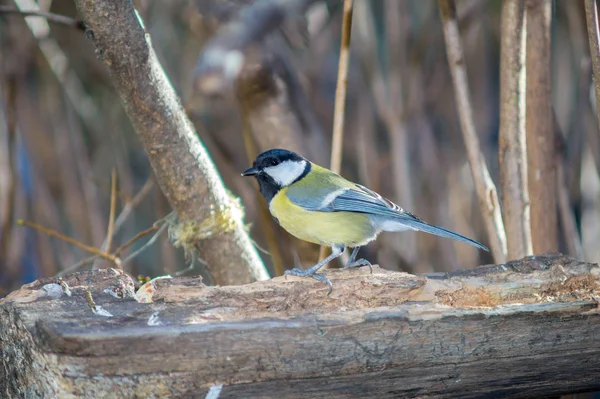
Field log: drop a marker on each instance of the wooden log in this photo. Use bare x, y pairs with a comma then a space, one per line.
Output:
528, 328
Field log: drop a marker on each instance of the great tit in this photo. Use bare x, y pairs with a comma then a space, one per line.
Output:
317, 205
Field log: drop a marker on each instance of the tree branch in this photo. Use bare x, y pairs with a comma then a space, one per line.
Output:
484, 186
513, 151
48, 16
180, 162
541, 158
591, 15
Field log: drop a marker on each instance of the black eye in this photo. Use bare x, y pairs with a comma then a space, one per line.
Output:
274, 162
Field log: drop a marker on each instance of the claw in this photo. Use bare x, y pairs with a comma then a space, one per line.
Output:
306, 273
359, 263
323, 279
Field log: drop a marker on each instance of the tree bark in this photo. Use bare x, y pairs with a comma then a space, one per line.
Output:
180, 162
541, 152
591, 14
513, 151
527, 328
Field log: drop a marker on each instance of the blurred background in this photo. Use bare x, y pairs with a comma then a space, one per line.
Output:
63, 129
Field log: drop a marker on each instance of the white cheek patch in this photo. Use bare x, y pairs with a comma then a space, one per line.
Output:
286, 172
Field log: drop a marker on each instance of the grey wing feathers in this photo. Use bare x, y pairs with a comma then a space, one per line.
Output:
363, 200
367, 201
358, 199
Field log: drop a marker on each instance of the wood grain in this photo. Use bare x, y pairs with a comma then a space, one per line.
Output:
523, 329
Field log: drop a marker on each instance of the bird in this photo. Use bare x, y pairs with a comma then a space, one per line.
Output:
318, 205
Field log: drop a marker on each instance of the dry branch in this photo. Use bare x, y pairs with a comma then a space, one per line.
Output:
8, 197
527, 328
541, 152
180, 162
48, 16
484, 186
513, 151
341, 88
591, 15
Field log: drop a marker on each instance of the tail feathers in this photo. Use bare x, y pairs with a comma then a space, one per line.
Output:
420, 225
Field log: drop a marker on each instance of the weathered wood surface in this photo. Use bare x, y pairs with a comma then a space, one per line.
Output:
529, 328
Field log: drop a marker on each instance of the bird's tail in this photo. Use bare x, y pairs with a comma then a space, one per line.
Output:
417, 224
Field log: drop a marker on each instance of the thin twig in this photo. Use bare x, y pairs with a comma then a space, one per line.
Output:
513, 151
146, 245
341, 89
129, 207
484, 186
591, 16
8, 211
70, 240
50, 17
111, 216
58, 62
340, 96
135, 238
116, 254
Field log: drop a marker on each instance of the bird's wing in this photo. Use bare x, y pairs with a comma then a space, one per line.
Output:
348, 199
361, 199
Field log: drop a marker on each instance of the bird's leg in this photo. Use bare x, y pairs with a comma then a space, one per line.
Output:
312, 272
353, 262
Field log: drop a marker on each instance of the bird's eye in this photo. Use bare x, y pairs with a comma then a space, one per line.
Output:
274, 162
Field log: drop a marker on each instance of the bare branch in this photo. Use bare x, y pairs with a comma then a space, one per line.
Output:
591, 15
50, 17
111, 214
180, 162
6, 217
150, 242
130, 206
484, 186
541, 158
58, 62
70, 240
341, 89
513, 151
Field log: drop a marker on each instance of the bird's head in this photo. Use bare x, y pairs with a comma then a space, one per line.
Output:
277, 168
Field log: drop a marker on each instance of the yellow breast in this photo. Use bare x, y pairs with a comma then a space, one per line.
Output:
324, 228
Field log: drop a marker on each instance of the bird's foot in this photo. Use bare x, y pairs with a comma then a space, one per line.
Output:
358, 263
308, 273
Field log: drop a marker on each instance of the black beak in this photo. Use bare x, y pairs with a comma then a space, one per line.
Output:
250, 172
